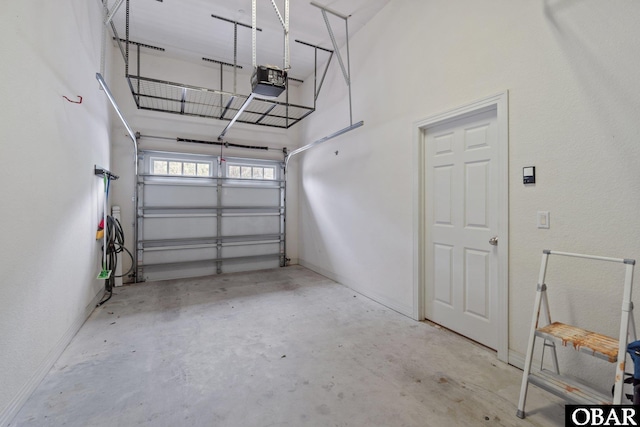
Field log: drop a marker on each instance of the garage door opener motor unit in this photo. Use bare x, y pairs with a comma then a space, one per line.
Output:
268, 81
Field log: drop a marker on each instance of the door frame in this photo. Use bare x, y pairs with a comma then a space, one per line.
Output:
500, 102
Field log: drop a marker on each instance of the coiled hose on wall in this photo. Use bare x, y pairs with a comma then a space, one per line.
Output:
115, 246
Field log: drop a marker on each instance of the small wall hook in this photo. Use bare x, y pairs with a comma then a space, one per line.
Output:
74, 102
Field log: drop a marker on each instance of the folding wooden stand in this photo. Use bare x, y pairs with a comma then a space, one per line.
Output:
597, 345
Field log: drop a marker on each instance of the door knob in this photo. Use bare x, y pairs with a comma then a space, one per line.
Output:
493, 241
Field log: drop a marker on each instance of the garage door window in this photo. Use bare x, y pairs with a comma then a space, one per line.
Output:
180, 168
251, 172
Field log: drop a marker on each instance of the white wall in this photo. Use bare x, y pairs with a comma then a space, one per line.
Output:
571, 71
51, 199
153, 123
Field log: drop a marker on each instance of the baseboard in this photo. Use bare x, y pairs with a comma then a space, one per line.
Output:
516, 359
19, 400
381, 299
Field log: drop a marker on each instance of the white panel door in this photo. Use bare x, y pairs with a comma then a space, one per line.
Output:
461, 216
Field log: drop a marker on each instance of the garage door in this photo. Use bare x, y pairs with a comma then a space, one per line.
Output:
198, 215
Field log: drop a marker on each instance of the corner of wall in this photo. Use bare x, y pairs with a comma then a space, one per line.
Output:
41, 371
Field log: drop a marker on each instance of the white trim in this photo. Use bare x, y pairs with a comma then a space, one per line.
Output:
517, 360
29, 387
500, 102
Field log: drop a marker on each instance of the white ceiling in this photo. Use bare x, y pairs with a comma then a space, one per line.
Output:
186, 29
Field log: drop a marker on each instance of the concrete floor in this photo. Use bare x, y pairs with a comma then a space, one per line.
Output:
284, 347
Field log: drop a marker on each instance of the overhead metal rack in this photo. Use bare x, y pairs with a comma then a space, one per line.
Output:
179, 98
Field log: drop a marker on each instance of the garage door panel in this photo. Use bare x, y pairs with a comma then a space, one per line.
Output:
165, 256
165, 228
209, 220
171, 271
232, 251
179, 195
243, 196
235, 266
250, 225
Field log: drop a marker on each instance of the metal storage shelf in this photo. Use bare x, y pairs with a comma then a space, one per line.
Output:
178, 98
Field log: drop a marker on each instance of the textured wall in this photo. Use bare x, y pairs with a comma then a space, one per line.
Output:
571, 71
51, 199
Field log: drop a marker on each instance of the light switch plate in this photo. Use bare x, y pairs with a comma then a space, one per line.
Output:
543, 219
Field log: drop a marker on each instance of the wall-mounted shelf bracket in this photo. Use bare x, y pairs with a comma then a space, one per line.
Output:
103, 172
321, 140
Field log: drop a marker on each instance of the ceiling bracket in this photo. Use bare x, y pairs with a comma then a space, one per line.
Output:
317, 87
113, 11
347, 77
346, 72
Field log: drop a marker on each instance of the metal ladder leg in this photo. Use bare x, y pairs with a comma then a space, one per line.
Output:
548, 344
540, 291
627, 316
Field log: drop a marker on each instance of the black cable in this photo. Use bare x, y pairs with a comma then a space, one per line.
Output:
105, 300
115, 245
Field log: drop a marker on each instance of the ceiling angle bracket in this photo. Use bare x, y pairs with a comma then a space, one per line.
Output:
324, 11
285, 26
235, 65
108, 20
346, 72
113, 11
347, 77
315, 70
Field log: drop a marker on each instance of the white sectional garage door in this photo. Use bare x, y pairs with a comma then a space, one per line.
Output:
198, 215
